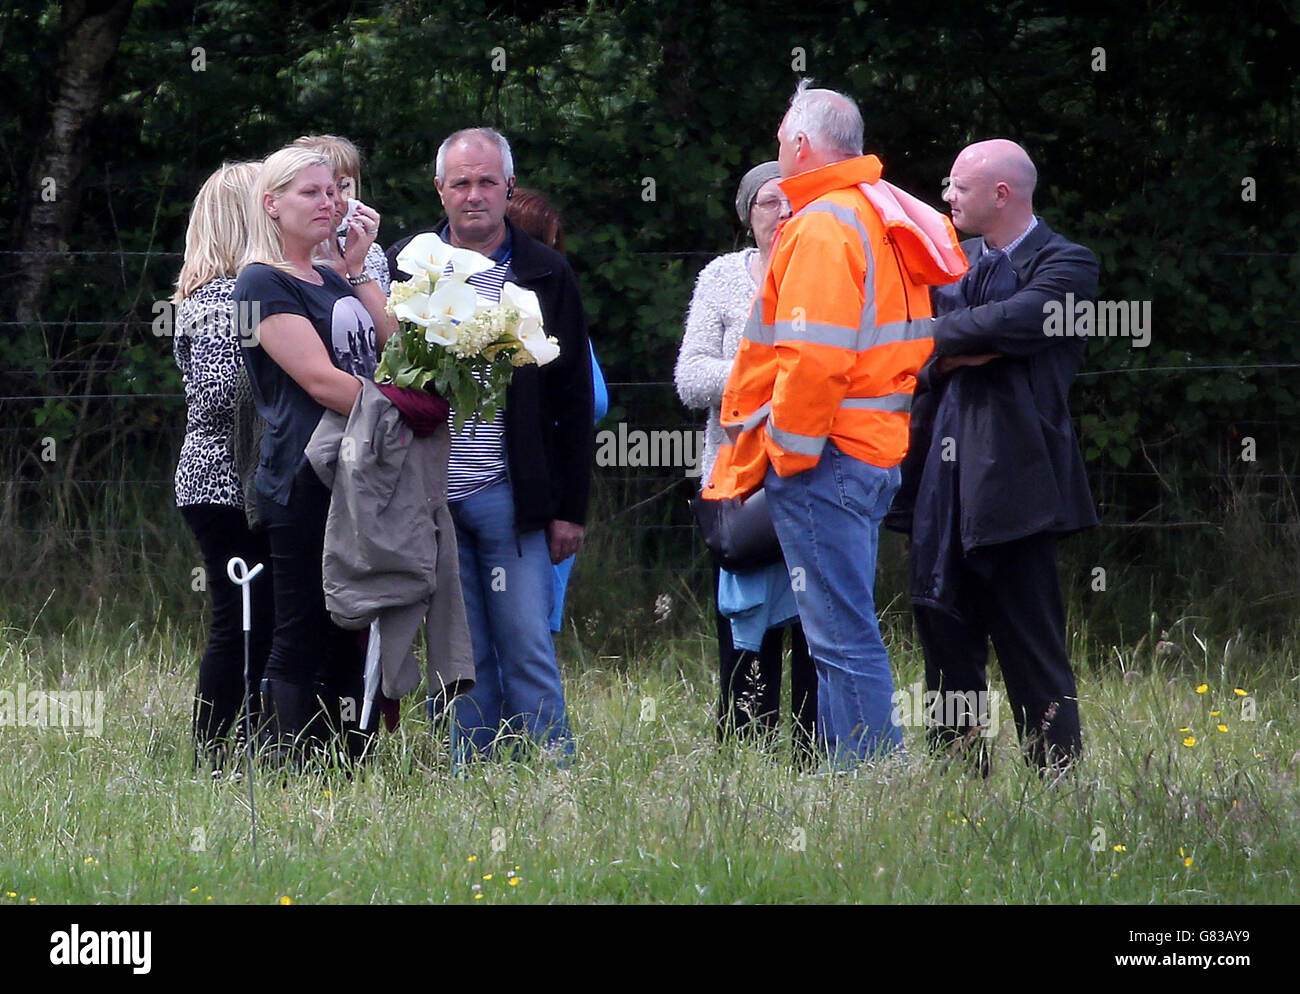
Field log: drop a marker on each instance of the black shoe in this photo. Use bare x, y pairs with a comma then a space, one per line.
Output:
292, 712
344, 741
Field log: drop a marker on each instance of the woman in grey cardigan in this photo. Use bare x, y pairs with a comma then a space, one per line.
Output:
754, 607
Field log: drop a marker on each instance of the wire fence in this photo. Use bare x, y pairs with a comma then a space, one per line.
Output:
1154, 491
126, 438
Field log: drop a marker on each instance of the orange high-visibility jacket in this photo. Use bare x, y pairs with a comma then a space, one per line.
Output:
838, 329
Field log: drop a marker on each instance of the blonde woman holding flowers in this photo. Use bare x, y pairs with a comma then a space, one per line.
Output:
314, 334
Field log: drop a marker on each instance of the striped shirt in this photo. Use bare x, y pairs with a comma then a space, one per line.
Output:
478, 453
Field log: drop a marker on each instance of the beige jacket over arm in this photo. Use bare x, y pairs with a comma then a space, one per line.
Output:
390, 544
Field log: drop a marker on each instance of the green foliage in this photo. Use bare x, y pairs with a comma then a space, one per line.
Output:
473, 387
1144, 162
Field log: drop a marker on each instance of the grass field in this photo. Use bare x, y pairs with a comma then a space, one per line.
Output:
1187, 795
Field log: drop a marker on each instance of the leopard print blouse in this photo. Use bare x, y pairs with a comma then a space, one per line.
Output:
207, 352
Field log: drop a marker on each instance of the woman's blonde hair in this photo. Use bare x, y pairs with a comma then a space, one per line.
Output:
279, 170
344, 158
218, 230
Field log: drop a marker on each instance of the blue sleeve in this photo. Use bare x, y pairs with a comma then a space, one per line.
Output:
600, 393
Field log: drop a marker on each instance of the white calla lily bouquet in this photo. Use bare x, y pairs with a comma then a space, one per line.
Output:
447, 335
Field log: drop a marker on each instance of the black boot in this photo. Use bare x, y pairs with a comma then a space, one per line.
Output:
291, 712
345, 742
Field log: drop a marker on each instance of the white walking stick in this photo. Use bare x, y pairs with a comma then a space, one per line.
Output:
243, 578
372, 676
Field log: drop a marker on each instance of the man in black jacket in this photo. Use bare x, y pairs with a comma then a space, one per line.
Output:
994, 475
518, 486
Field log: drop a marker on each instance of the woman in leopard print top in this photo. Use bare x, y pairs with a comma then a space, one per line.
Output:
207, 345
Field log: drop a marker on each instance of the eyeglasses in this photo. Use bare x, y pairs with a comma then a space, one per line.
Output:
776, 205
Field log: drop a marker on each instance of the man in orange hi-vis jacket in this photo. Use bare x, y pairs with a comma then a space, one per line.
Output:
816, 408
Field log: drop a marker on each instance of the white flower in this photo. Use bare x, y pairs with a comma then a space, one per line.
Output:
442, 333
418, 283
529, 331
457, 301
438, 312
416, 308
428, 253
543, 349
524, 301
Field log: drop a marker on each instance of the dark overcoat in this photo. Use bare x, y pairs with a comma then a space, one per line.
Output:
1004, 425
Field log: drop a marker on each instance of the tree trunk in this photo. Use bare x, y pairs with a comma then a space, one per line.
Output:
92, 30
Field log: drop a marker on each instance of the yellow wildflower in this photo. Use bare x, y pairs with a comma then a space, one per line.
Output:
1202, 688
1119, 848
1238, 691
1223, 728
1189, 741
286, 899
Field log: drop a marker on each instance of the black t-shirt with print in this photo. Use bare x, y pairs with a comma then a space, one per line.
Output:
346, 330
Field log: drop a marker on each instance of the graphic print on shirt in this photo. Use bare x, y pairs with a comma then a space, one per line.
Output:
352, 334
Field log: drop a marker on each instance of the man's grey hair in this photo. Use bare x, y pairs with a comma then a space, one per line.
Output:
486, 134
828, 118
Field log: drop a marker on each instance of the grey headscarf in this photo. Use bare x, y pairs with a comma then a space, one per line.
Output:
749, 186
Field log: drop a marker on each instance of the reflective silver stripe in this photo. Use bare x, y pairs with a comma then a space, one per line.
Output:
845, 215
755, 330
849, 217
757, 418
816, 334
889, 402
894, 331
866, 336
804, 445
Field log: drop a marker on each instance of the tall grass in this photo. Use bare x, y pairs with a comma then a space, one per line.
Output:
651, 809
1165, 806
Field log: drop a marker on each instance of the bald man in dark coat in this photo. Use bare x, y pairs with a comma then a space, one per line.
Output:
994, 475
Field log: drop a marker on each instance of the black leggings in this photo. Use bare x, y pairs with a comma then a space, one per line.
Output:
308, 650
749, 697
222, 532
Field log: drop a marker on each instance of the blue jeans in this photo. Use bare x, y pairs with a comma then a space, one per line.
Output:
508, 585
828, 521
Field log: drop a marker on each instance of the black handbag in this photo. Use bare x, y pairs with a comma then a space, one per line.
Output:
738, 531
